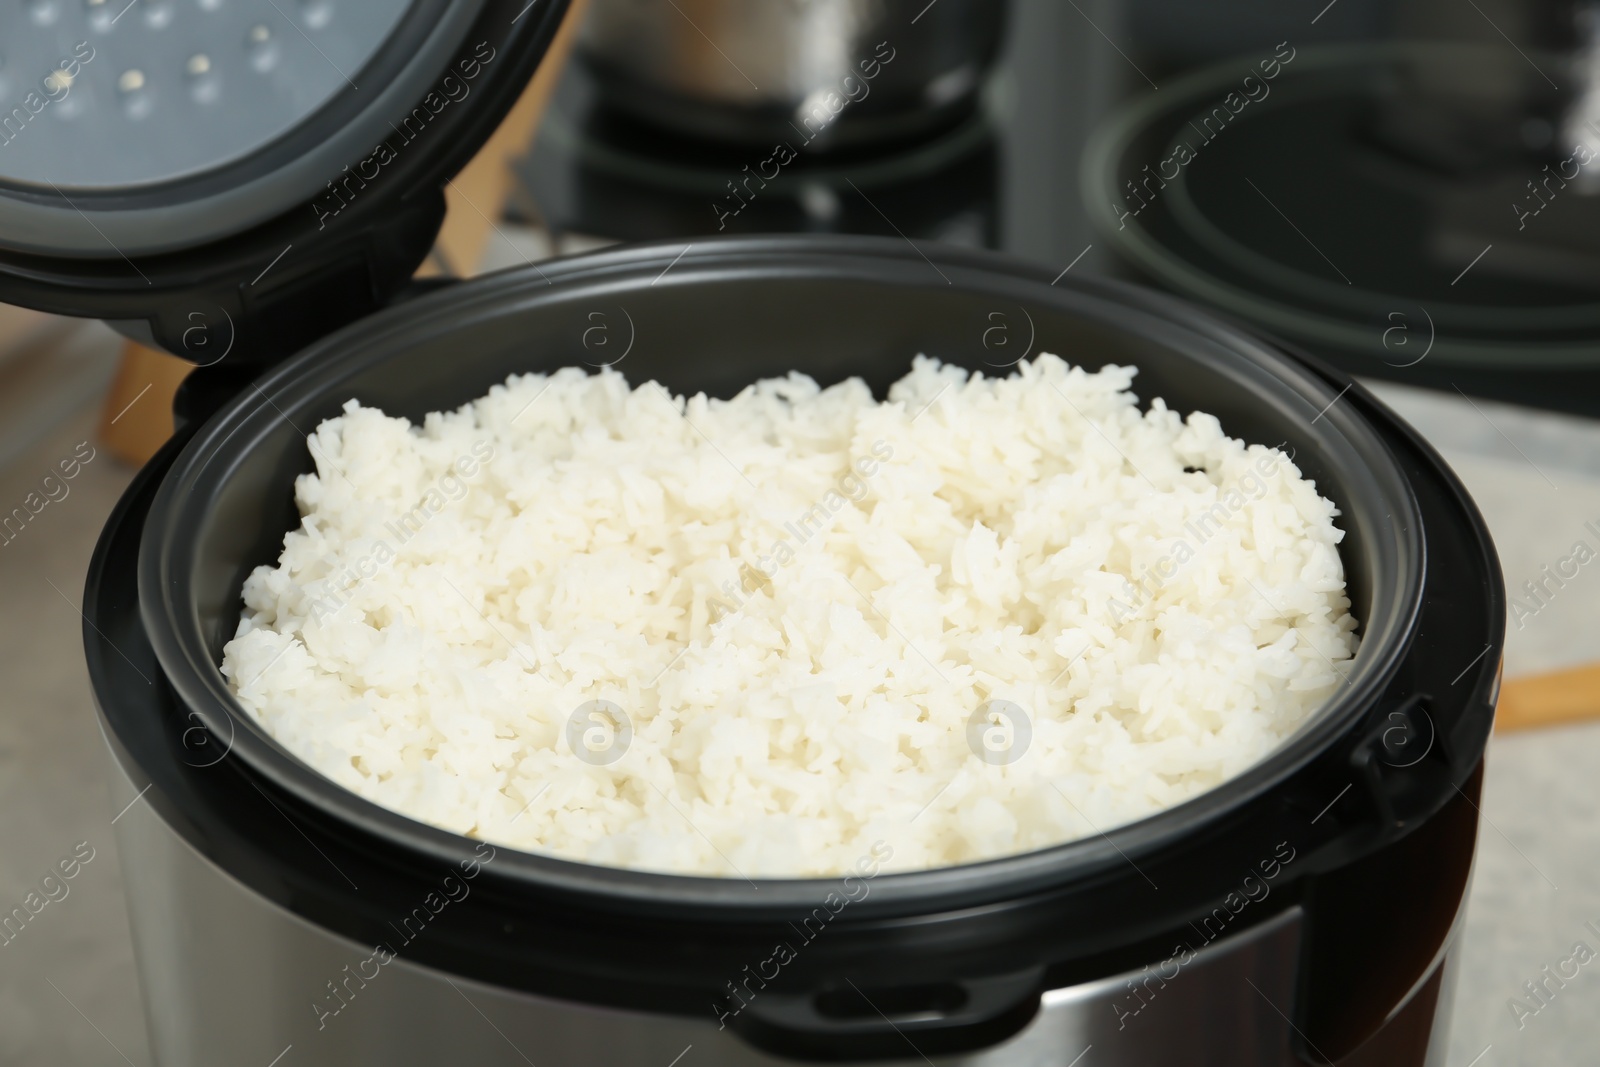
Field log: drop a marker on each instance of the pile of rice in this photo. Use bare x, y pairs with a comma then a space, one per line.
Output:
797, 603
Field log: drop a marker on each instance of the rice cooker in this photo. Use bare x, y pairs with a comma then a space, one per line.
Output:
1304, 912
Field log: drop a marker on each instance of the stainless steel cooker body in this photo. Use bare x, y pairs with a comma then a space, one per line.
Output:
273, 909
232, 978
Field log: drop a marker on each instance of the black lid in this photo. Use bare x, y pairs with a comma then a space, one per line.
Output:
260, 174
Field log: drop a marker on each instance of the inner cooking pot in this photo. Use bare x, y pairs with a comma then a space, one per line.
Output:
964, 957
715, 317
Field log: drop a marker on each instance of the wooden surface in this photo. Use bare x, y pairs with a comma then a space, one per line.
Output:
476, 196
1549, 699
137, 417
19, 325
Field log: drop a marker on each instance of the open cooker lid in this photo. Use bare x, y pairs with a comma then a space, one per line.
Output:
240, 178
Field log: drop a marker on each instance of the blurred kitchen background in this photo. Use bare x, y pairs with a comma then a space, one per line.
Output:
1404, 188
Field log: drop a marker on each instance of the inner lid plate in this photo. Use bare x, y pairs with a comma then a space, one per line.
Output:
113, 93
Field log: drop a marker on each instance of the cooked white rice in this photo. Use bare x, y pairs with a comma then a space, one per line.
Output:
798, 598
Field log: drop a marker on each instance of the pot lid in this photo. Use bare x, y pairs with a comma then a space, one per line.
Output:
241, 175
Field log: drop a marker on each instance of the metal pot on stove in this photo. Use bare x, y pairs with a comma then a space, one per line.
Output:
811, 73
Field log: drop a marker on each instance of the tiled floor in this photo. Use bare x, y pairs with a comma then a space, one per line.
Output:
68, 993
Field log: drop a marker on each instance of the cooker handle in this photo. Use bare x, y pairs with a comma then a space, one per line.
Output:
867, 1020
209, 386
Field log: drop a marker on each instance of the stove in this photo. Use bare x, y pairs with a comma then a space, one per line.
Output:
1409, 191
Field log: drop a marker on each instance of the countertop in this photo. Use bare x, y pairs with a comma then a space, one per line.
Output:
1536, 477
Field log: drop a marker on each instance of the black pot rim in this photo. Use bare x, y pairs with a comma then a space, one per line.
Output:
174, 633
